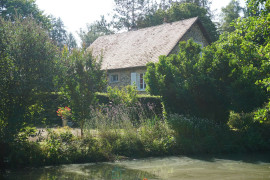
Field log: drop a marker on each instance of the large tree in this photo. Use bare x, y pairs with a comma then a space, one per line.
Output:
180, 11
232, 74
10, 9
71, 42
93, 31
127, 12
258, 7
228, 15
27, 72
60, 36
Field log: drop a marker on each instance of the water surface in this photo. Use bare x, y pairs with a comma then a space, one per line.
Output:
247, 166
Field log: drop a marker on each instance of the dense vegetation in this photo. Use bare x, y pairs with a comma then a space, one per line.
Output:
210, 100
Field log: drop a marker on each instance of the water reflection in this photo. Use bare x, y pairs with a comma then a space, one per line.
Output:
249, 166
81, 172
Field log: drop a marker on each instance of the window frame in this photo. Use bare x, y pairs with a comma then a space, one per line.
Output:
112, 75
143, 82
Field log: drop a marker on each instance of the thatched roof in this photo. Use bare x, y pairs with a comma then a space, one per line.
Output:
137, 48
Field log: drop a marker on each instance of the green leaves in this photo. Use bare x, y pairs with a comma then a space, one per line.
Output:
27, 63
81, 78
126, 96
232, 74
180, 11
11, 9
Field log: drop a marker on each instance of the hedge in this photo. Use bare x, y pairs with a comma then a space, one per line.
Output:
144, 99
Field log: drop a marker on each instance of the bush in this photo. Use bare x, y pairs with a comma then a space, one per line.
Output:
240, 121
262, 115
157, 138
152, 103
197, 135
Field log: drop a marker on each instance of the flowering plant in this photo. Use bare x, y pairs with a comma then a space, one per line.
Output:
63, 112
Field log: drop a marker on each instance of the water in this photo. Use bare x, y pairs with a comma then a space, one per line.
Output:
248, 166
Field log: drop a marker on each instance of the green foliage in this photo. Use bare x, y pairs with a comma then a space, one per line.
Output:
23, 154
59, 34
81, 78
146, 101
240, 121
127, 13
11, 9
262, 115
181, 11
183, 89
258, 7
71, 42
28, 64
228, 15
157, 137
237, 65
226, 77
115, 126
196, 135
93, 31
126, 95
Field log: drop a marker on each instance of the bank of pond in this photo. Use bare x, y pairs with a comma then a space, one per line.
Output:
110, 139
232, 166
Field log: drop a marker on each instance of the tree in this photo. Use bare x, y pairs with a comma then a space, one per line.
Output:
226, 77
60, 36
258, 7
177, 12
228, 15
98, 28
127, 12
58, 32
71, 42
183, 88
82, 77
202, 3
27, 72
10, 9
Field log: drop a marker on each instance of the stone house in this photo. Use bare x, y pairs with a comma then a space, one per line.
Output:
125, 55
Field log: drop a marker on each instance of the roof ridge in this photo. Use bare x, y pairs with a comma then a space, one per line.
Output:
145, 28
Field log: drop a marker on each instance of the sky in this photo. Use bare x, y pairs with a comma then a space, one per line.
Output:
76, 14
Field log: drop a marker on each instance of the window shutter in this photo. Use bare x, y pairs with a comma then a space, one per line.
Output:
133, 79
138, 81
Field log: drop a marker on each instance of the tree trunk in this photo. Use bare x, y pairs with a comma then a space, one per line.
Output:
82, 126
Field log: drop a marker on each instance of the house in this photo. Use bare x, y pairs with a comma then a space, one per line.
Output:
125, 55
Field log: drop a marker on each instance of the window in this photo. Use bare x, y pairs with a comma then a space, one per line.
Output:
137, 79
142, 82
114, 78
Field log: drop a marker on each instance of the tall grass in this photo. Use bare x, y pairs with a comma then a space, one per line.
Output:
131, 130
117, 131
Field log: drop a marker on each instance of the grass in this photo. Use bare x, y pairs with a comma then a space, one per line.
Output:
115, 132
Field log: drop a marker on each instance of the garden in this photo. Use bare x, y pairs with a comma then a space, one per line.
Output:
208, 100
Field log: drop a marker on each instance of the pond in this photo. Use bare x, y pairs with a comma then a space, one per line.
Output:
239, 166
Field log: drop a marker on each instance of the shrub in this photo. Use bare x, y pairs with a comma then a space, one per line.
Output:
148, 102
197, 135
240, 121
262, 115
126, 95
157, 138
